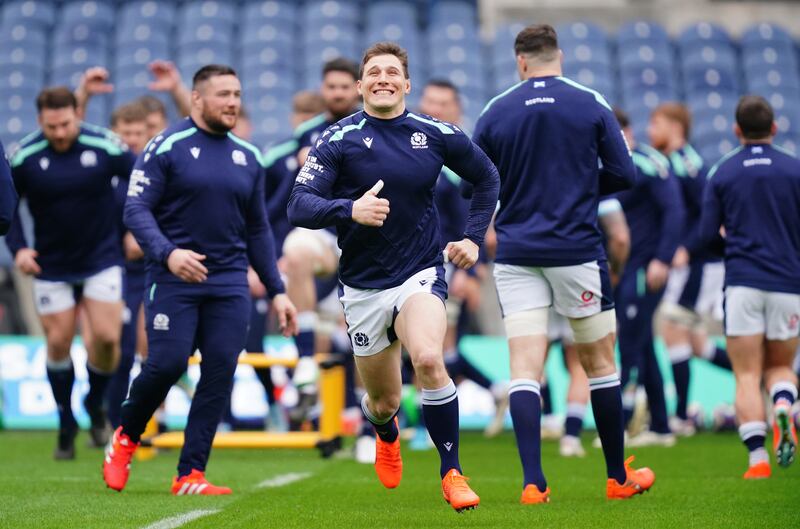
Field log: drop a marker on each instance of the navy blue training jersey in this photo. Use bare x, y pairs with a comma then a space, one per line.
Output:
654, 209
452, 207
310, 130
407, 153
195, 190
754, 192
546, 136
8, 194
71, 199
281, 169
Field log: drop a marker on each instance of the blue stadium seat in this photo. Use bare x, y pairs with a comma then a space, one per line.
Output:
268, 80
32, 14
21, 34
455, 54
140, 55
765, 32
709, 122
788, 119
407, 35
23, 53
273, 125
453, 11
263, 102
16, 125
159, 14
772, 77
318, 53
207, 32
715, 148
467, 76
315, 14
81, 56
453, 33
97, 112
649, 75
780, 98
640, 32
383, 13
703, 80
587, 53
98, 15
640, 55
15, 101
131, 77
789, 142
703, 33
69, 74
29, 77
715, 100
275, 54
778, 54
81, 33
332, 35
192, 58
141, 33
284, 12
648, 98
504, 36
710, 56
207, 11
267, 32
591, 75
581, 32
503, 80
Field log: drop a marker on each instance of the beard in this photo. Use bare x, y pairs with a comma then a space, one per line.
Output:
216, 125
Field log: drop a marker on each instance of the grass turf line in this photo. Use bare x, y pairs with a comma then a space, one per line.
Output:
698, 484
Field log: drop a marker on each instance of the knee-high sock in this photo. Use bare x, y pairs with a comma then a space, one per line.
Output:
654, 386
753, 435
98, 382
62, 377
440, 410
717, 355
306, 323
783, 391
607, 408
680, 355
386, 430
547, 401
524, 403
574, 422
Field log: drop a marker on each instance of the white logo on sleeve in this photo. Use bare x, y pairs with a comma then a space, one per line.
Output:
419, 140
44, 163
137, 183
161, 322
368, 142
239, 158
195, 152
88, 159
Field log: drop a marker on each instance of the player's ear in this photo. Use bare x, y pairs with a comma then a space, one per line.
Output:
738, 131
358, 88
560, 57
407, 89
773, 130
522, 67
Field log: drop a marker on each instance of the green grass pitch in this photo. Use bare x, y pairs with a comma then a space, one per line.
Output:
698, 484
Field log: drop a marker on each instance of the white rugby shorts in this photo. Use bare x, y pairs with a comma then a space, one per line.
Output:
750, 311
51, 297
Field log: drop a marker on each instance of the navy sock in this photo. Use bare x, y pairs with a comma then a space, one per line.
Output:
783, 391
306, 322
98, 382
574, 423
547, 401
524, 403
753, 435
680, 374
440, 410
387, 430
721, 359
607, 408
62, 377
471, 372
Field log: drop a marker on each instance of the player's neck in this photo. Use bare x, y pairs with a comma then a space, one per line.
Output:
545, 69
760, 141
385, 114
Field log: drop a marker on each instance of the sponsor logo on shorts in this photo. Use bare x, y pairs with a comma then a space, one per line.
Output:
419, 140
161, 322
423, 282
794, 319
587, 296
44, 300
361, 339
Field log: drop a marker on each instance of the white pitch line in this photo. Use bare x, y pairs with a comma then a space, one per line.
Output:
283, 480
176, 521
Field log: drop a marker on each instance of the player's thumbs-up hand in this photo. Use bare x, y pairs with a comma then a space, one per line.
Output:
369, 210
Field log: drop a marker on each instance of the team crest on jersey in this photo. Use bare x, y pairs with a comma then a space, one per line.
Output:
44, 163
368, 142
161, 322
419, 140
239, 158
88, 159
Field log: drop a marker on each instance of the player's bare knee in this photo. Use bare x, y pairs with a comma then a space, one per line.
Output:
428, 364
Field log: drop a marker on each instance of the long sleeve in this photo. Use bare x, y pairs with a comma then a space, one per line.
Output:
309, 205
261, 243
145, 190
707, 236
15, 239
694, 197
666, 194
8, 194
618, 172
468, 161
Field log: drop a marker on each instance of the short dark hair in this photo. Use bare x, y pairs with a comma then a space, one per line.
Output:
385, 48
152, 105
129, 113
755, 117
211, 70
677, 112
55, 98
538, 40
340, 64
444, 83
622, 118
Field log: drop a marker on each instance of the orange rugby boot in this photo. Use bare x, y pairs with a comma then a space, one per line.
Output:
388, 463
196, 484
457, 493
637, 481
